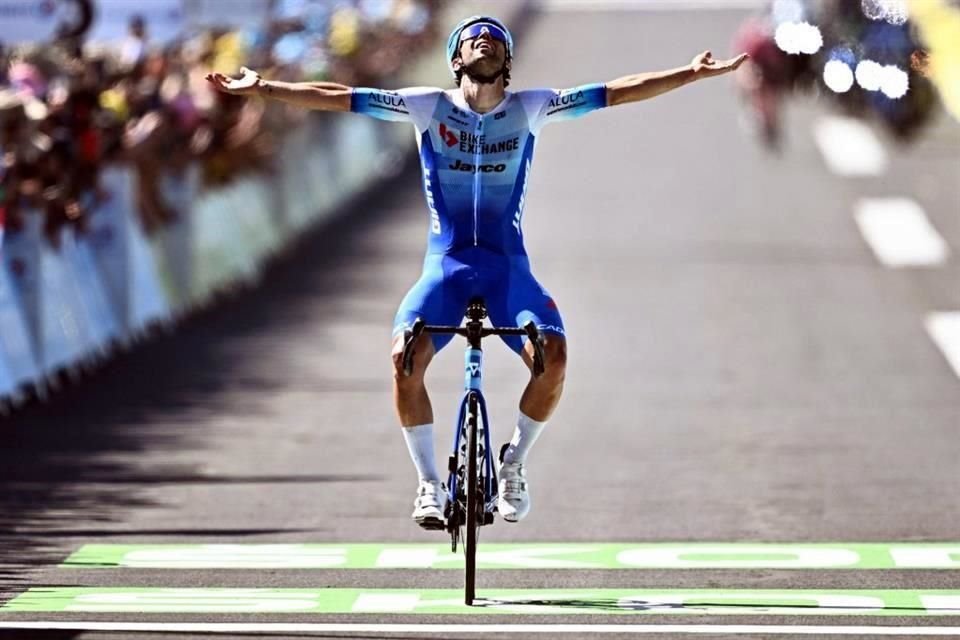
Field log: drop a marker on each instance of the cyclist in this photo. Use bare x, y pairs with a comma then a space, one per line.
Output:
476, 146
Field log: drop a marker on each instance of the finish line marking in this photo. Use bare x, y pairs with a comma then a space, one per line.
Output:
659, 629
701, 555
785, 602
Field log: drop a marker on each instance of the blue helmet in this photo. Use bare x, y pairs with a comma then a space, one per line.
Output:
453, 42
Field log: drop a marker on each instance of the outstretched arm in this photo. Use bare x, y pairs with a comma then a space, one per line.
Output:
647, 85
325, 96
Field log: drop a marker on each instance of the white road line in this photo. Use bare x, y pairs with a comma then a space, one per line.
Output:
446, 629
899, 233
849, 147
647, 5
944, 328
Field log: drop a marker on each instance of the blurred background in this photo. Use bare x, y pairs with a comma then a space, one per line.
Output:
758, 272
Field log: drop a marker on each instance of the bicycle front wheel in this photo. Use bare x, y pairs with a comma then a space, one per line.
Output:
474, 501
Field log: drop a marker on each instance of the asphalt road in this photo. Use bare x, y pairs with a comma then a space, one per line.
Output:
741, 369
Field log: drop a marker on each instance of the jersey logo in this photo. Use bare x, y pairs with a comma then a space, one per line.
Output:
483, 168
448, 135
552, 329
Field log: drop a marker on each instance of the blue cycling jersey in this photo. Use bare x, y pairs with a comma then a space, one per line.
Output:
476, 166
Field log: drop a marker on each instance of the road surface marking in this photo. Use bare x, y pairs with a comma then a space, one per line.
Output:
849, 147
788, 602
944, 328
899, 233
702, 555
762, 630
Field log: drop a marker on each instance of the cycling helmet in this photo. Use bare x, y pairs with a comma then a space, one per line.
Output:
453, 42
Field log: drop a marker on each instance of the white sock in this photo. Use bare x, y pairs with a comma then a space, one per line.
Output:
526, 433
420, 444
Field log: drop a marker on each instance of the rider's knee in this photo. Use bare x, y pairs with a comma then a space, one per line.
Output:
555, 360
422, 353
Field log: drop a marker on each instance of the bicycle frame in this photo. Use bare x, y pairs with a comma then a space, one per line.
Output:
473, 385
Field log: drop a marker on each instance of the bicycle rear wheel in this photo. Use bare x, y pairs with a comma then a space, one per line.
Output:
474, 501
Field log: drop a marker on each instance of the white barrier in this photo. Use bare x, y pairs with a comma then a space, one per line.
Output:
18, 366
71, 301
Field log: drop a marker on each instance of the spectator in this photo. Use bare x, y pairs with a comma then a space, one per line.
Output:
134, 47
66, 111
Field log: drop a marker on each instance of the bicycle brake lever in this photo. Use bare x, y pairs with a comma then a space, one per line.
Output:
410, 337
536, 338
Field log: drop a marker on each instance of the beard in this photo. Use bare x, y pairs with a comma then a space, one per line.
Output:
479, 72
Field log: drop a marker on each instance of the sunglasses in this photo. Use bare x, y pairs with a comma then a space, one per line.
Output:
478, 29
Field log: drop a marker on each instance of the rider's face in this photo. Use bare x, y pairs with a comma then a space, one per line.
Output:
483, 54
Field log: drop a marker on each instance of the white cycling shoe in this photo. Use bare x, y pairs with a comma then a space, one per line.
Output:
430, 505
513, 502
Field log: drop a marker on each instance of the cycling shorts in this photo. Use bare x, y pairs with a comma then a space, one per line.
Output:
506, 283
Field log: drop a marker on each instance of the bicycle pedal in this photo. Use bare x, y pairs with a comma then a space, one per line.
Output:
431, 524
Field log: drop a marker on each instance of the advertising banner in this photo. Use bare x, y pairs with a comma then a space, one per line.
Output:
98, 314
16, 350
172, 245
146, 299
21, 258
65, 336
108, 241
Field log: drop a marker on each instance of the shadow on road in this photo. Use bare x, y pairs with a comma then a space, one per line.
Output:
71, 460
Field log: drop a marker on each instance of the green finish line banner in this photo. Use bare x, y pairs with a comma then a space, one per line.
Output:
522, 556
508, 601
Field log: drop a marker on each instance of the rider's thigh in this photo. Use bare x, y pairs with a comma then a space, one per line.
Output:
521, 300
439, 297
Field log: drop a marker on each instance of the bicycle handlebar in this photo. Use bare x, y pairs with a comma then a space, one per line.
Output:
529, 329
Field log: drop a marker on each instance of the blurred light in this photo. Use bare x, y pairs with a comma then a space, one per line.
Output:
838, 76
869, 75
890, 79
787, 11
894, 81
892, 11
843, 54
798, 37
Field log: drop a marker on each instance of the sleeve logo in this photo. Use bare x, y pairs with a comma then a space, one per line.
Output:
566, 99
387, 99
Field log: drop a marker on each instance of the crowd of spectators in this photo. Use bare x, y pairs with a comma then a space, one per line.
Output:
70, 108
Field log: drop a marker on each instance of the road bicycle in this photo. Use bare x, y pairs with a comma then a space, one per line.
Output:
472, 483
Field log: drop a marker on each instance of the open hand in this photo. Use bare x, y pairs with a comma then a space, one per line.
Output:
704, 64
245, 85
